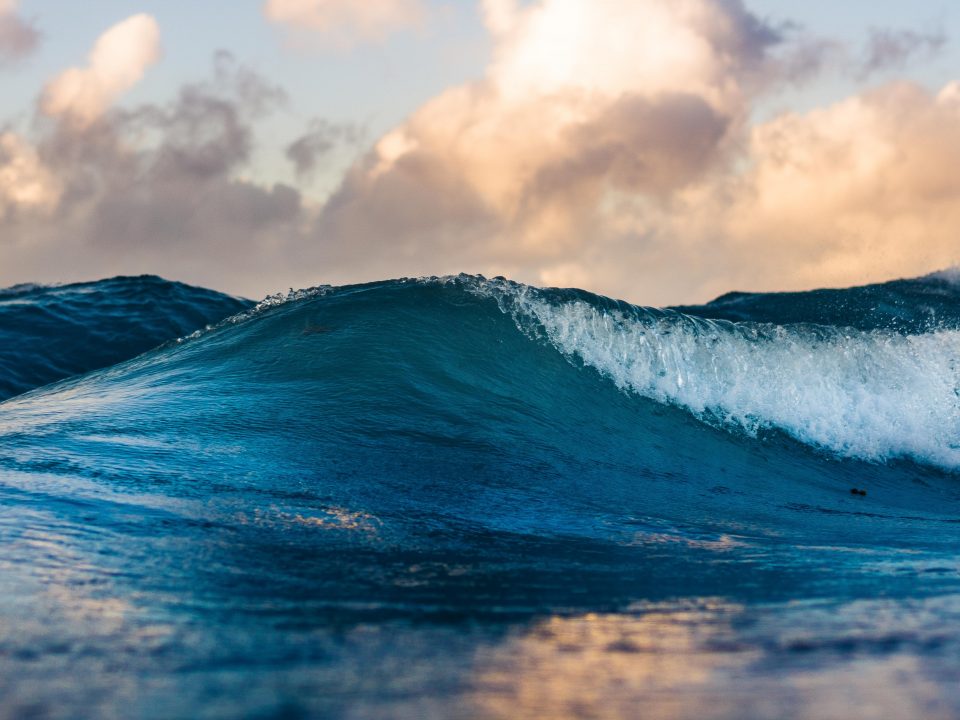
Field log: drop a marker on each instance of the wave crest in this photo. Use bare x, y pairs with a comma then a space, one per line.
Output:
875, 395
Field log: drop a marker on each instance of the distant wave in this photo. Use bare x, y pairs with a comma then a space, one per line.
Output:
51, 332
906, 306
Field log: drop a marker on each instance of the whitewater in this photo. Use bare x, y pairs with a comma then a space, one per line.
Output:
874, 395
469, 497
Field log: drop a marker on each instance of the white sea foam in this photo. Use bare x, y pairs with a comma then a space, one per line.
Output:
874, 396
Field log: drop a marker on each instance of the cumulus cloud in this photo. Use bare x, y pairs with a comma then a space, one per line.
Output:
18, 38
118, 61
609, 145
522, 168
860, 191
865, 188
627, 163
346, 22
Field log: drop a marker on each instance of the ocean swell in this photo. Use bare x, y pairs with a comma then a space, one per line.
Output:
491, 499
876, 395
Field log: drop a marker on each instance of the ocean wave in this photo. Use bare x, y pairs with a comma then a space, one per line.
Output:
874, 395
343, 484
50, 332
909, 306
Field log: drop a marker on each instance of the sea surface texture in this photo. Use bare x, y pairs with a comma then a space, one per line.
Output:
48, 333
469, 498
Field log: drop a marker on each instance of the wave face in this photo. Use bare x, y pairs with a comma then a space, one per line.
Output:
296, 511
51, 332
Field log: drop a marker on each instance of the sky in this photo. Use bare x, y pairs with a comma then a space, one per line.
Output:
659, 151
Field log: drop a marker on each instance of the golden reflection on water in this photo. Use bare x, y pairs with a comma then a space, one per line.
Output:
688, 663
69, 632
598, 666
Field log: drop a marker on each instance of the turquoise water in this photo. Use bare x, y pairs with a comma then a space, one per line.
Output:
462, 497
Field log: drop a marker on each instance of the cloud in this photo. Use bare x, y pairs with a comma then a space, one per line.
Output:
889, 49
118, 61
346, 22
322, 139
630, 163
522, 169
861, 190
25, 183
18, 38
154, 188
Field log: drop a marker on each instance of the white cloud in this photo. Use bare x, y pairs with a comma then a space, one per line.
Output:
118, 61
91, 200
346, 22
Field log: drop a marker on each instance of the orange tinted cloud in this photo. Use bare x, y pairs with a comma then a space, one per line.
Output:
346, 22
864, 189
118, 61
583, 105
25, 183
609, 145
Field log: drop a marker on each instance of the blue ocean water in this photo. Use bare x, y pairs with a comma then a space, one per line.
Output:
461, 497
48, 333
